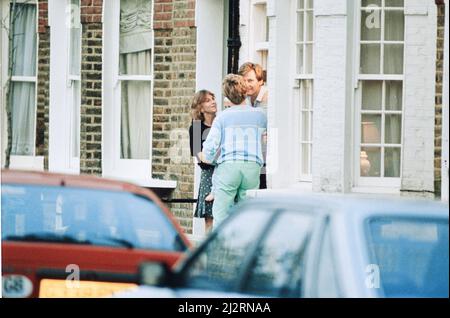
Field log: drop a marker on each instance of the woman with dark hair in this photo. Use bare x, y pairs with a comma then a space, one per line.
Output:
203, 111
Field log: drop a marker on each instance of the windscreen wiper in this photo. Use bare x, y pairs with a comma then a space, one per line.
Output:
119, 241
46, 237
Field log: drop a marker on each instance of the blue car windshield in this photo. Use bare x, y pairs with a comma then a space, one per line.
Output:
412, 256
85, 216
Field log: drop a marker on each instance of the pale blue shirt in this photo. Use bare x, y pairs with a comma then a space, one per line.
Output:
236, 135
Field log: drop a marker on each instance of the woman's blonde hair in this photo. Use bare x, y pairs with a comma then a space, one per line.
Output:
196, 104
234, 88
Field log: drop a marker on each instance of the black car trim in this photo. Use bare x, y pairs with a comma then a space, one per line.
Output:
250, 259
89, 275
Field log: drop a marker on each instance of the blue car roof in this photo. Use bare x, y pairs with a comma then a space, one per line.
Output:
362, 205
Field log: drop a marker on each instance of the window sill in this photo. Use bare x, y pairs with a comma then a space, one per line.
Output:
299, 187
376, 190
146, 183
35, 163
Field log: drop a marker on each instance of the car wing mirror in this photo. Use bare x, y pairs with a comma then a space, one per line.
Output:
155, 274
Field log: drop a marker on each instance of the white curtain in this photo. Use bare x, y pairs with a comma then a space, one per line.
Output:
135, 25
22, 95
394, 31
394, 91
135, 59
136, 102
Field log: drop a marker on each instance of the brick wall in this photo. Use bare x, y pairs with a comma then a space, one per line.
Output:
438, 113
175, 51
43, 78
91, 87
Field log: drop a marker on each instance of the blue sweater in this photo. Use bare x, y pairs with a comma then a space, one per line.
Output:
236, 135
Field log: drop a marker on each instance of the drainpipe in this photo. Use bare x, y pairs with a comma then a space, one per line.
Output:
234, 40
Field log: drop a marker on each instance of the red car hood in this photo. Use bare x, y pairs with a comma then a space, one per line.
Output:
37, 261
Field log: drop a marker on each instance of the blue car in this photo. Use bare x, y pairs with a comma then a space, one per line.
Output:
315, 246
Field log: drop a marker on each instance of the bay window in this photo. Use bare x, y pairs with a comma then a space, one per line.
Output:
128, 88
380, 93
74, 83
304, 42
22, 95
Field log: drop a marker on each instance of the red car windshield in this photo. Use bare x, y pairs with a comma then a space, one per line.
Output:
85, 216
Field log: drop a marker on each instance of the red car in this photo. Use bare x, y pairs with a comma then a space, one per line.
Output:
80, 236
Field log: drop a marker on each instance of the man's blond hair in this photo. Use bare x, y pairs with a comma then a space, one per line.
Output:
234, 88
249, 66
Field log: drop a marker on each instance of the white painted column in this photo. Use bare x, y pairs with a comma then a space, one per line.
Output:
209, 19
419, 95
282, 141
59, 152
445, 114
329, 120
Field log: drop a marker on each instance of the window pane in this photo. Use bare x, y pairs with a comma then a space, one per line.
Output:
393, 129
139, 63
309, 26
374, 161
75, 62
136, 118
306, 91
394, 90
394, 3
394, 26
75, 38
103, 217
24, 40
301, 4
370, 129
280, 260
306, 156
392, 158
76, 92
366, 3
220, 263
370, 58
300, 26
305, 126
370, 25
309, 4
135, 36
412, 255
309, 58
299, 58
371, 95
23, 116
393, 59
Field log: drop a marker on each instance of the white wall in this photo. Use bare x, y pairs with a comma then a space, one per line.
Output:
281, 121
419, 95
211, 61
329, 123
210, 32
59, 134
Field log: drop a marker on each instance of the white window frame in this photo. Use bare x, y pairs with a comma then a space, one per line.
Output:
73, 110
390, 184
31, 162
135, 170
303, 81
259, 24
